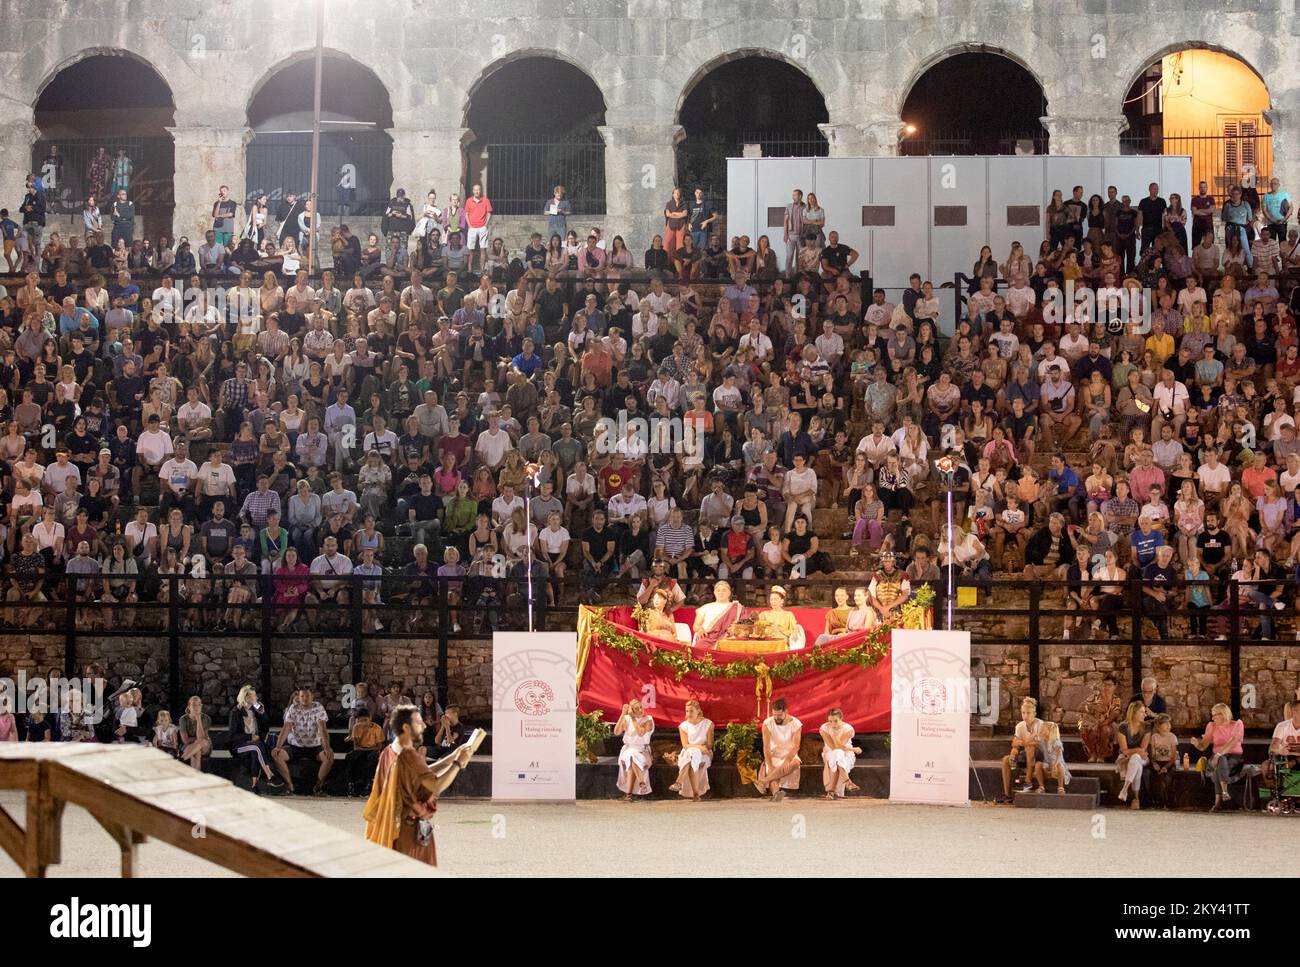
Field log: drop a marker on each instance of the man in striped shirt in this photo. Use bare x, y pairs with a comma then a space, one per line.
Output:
674, 542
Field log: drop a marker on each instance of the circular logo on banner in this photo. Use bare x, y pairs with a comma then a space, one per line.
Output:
534, 697
930, 696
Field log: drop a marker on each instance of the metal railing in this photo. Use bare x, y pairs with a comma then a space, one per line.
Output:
1218, 158
68, 181
521, 175
279, 163
446, 609
974, 143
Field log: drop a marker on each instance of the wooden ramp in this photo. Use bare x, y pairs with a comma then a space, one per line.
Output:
135, 792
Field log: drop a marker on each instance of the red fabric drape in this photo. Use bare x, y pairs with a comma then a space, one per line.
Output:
611, 679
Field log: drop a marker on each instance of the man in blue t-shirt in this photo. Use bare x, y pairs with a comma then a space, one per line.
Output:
1145, 541
1066, 498
527, 362
1277, 209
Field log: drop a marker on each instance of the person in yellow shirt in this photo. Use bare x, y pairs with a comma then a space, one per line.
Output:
1160, 342
366, 739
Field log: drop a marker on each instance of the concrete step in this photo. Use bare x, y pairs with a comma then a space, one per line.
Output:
1051, 800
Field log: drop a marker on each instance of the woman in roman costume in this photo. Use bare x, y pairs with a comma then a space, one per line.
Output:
634, 758
839, 755
693, 762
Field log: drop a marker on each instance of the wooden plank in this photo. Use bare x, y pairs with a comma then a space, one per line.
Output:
133, 791
13, 840
17, 774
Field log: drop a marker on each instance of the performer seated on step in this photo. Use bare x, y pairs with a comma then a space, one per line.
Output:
634, 758
839, 755
696, 734
1025, 745
777, 622
889, 589
863, 616
782, 733
404, 796
714, 620
837, 618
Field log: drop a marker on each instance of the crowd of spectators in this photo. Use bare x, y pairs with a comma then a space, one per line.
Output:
260, 435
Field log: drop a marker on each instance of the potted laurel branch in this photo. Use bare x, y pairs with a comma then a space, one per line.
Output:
739, 744
591, 733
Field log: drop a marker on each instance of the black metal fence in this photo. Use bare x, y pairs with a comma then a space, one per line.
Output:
174, 609
356, 170
68, 168
1219, 158
521, 175
925, 143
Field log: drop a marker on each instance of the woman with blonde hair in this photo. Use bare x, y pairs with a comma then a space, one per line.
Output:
696, 755
1222, 738
1134, 740
1051, 758
248, 728
635, 757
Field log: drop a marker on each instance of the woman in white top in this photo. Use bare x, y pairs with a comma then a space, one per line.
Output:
839, 755
696, 734
634, 758
291, 258
49, 536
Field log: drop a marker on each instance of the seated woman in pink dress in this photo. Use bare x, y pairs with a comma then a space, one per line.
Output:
713, 620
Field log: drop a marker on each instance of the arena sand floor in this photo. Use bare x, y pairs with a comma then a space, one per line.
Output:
807, 837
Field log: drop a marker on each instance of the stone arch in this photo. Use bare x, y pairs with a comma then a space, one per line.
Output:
1039, 72
276, 156
298, 56
95, 39
534, 118
1131, 71
582, 55
695, 60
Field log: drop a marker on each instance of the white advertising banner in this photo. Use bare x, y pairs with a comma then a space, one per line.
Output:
929, 747
534, 705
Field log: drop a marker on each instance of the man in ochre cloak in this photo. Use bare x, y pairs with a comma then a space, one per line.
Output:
404, 796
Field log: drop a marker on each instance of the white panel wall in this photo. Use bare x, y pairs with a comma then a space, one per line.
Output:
958, 182
777, 177
1013, 181
899, 251
841, 184
985, 185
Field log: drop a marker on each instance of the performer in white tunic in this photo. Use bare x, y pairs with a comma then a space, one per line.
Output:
839, 755
714, 620
634, 758
782, 733
697, 753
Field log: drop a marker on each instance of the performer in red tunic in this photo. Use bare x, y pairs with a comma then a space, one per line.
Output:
404, 797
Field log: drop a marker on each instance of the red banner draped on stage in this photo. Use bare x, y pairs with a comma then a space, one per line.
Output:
610, 677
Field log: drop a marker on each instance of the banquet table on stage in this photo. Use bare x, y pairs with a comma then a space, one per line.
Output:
752, 646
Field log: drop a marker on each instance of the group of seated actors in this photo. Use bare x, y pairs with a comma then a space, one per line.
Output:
779, 772
723, 617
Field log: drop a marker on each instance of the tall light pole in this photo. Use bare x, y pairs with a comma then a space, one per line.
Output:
315, 138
